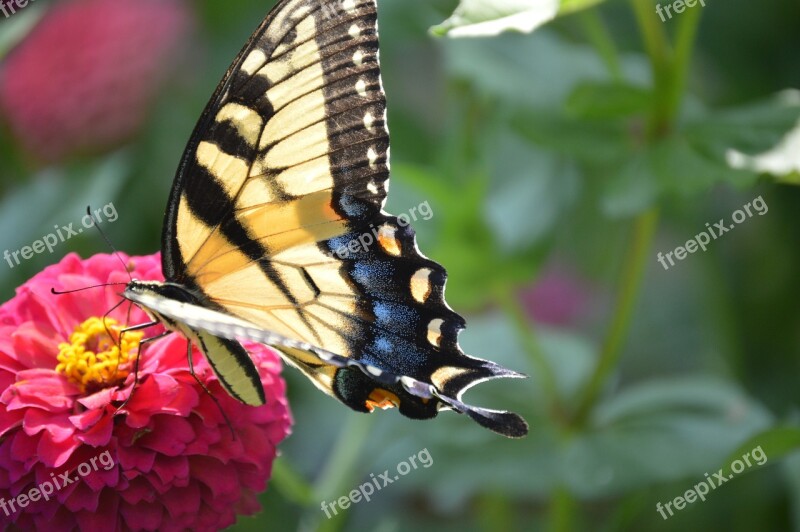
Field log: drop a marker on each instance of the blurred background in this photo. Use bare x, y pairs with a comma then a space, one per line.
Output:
558, 163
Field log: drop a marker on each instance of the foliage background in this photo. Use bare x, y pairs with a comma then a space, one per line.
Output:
557, 163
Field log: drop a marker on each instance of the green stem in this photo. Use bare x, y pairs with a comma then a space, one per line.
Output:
684, 45
632, 274
670, 71
658, 49
563, 510
341, 472
290, 483
597, 33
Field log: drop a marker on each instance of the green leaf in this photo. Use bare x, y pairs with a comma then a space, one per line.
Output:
595, 142
594, 100
632, 190
660, 431
654, 432
532, 190
672, 167
776, 443
536, 71
753, 128
482, 18
682, 168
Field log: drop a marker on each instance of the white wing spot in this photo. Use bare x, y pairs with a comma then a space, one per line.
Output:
375, 371
421, 285
349, 5
358, 58
372, 155
372, 187
361, 87
355, 31
435, 332
369, 122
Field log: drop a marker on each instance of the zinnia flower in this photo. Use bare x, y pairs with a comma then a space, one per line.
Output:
166, 461
83, 80
558, 298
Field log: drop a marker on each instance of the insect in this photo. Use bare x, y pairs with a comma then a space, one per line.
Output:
286, 168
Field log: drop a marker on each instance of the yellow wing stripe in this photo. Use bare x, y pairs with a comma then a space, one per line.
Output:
230, 171
230, 371
247, 121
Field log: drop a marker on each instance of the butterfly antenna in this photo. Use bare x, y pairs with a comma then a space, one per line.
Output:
62, 292
96, 224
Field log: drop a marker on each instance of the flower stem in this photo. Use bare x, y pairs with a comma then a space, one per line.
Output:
597, 33
670, 71
632, 274
564, 509
685, 38
660, 53
341, 471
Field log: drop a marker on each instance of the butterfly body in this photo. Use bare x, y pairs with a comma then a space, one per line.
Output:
226, 356
275, 230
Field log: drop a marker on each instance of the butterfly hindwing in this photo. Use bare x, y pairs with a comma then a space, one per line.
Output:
275, 218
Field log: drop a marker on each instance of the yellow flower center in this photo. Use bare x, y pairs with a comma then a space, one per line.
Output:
95, 358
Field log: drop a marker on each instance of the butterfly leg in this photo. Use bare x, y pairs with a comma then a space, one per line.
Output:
138, 356
205, 389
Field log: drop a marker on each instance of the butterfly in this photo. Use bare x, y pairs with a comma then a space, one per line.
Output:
287, 167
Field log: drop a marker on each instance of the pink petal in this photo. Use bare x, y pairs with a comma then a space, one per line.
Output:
106, 515
53, 452
58, 425
98, 400
99, 434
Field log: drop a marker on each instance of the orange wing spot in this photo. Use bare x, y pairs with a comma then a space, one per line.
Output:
388, 240
383, 399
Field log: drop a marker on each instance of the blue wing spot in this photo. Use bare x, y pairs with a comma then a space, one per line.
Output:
352, 207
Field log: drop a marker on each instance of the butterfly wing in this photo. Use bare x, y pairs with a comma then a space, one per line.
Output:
276, 218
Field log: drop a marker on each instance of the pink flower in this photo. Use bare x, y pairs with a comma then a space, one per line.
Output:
559, 297
84, 78
167, 461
